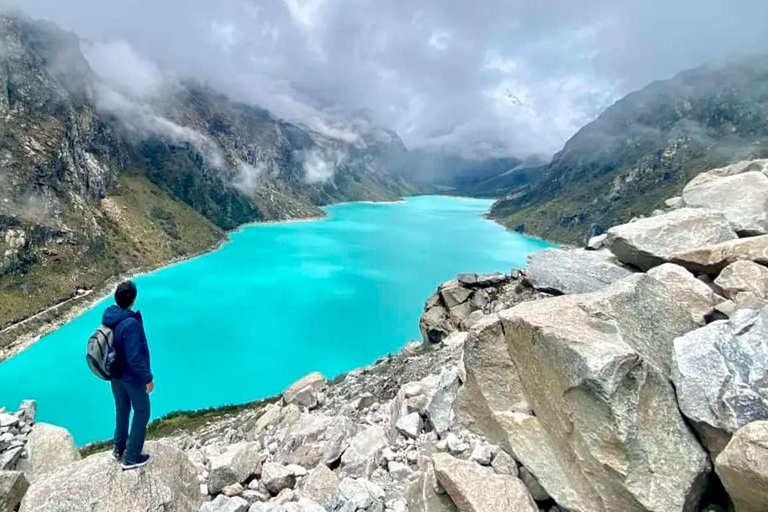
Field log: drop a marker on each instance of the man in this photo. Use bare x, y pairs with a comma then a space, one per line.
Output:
131, 377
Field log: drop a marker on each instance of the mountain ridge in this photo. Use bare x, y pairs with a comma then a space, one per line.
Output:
643, 149
184, 167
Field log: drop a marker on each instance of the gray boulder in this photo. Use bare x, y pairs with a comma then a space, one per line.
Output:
48, 447
277, 477
742, 198
168, 483
711, 259
10, 458
240, 462
476, 489
744, 282
27, 411
577, 389
649, 242
453, 293
13, 485
358, 494
320, 485
694, 295
410, 425
741, 167
360, 459
482, 280
743, 468
225, 504
440, 399
316, 438
425, 494
436, 324
596, 242
720, 375
566, 271
304, 392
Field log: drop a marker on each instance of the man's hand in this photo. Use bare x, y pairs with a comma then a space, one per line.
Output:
151, 387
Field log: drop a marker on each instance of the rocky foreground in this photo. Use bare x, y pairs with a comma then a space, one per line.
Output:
631, 375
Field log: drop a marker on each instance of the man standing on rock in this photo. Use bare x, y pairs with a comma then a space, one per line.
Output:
132, 379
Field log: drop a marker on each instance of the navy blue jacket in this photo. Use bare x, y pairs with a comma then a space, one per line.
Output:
131, 349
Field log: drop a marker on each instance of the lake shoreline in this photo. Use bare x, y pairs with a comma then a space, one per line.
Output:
28, 331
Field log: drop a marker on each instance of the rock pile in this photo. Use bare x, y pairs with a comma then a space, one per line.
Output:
610, 379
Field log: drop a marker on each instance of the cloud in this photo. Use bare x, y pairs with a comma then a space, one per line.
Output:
505, 76
319, 166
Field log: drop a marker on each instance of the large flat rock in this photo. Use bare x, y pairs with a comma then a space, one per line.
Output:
745, 283
566, 271
742, 198
98, 484
474, 488
649, 242
583, 399
49, 447
713, 258
720, 376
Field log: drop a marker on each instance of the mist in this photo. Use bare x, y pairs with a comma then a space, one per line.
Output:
490, 79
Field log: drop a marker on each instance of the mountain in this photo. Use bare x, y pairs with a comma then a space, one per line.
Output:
480, 177
95, 182
643, 149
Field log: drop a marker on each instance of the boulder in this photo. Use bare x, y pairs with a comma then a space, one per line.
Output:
410, 425
436, 324
492, 383
564, 271
315, 438
476, 489
13, 485
674, 203
740, 167
320, 485
27, 411
305, 390
720, 375
596, 242
504, 464
425, 494
440, 399
454, 294
277, 477
271, 415
713, 258
10, 458
649, 242
48, 447
482, 280
577, 389
225, 504
742, 198
744, 282
239, 463
743, 468
357, 494
168, 483
694, 295
8, 420
360, 458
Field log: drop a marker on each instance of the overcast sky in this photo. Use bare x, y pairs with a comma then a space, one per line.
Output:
511, 77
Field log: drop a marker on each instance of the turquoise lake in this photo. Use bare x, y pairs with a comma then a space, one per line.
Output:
275, 303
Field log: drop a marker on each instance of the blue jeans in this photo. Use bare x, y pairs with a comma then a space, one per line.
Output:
129, 395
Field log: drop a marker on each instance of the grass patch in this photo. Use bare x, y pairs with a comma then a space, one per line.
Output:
178, 422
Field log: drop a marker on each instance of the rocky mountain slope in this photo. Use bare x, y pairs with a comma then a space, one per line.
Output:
643, 149
94, 181
629, 376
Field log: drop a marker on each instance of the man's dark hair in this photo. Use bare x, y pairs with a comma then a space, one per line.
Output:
125, 294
